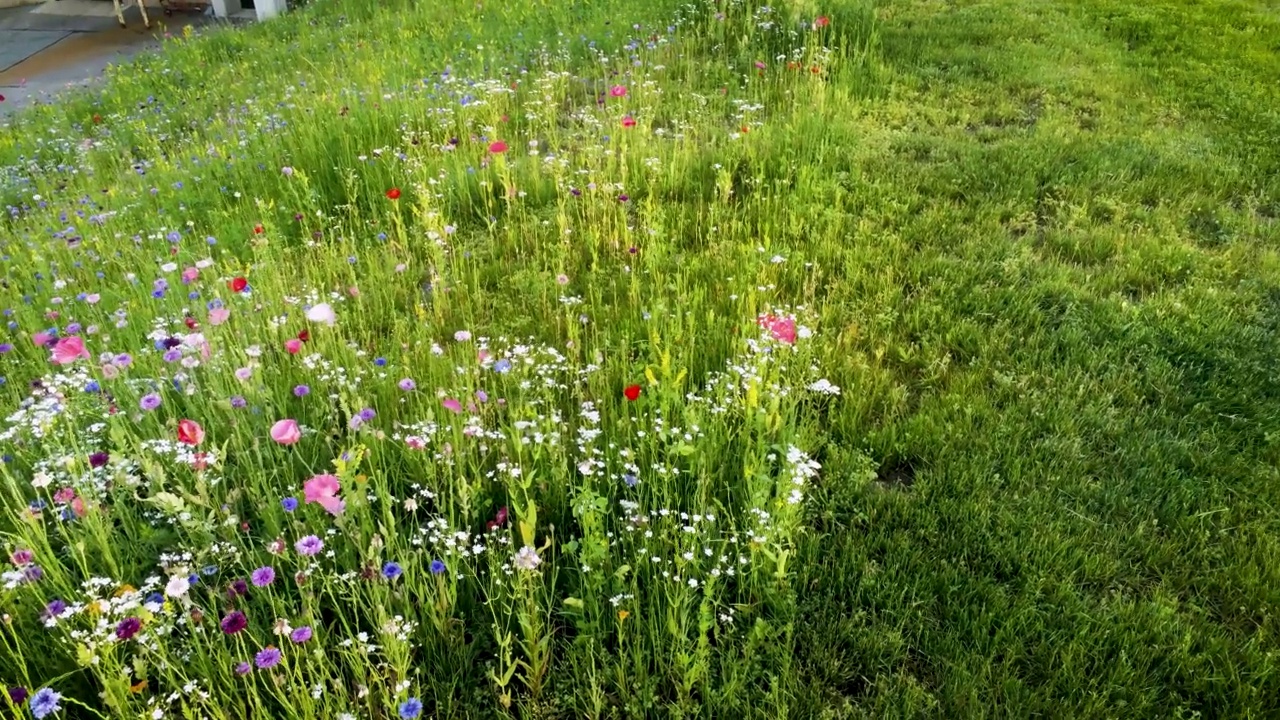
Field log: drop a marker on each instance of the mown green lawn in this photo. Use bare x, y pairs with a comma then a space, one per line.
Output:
1037, 241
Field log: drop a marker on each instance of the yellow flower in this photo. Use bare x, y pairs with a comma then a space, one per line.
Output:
623, 615
138, 687
125, 590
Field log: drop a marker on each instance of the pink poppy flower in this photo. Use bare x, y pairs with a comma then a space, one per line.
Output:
190, 274
497, 146
41, 338
782, 329
68, 350
286, 432
217, 316
618, 91
452, 405
323, 489
293, 345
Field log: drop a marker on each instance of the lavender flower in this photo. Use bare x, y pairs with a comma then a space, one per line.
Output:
309, 545
267, 658
263, 576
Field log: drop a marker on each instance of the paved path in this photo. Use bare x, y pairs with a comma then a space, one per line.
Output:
43, 53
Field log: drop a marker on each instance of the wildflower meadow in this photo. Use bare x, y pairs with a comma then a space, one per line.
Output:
602, 360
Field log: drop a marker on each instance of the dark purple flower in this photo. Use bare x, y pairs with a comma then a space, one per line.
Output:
237, 588
128, 627
98, 459
234, 622
18, 694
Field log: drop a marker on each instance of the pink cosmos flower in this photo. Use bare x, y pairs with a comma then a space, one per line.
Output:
452, 405
217, 316
293, 345
782, 329
190, 274
286, 432
323, 489
68, 350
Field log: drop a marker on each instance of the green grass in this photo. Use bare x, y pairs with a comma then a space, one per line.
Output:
1035, 241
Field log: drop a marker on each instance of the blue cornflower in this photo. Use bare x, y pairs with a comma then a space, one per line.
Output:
45, 703
392, 570
380, 362
289, 504
410, 709
437, 567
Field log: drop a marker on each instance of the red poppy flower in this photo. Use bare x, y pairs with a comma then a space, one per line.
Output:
190, 322
97, 119
190, 432
632, 392
393, 194
628, 122
258, 229
822, 21
497, 146
238, 285
304, 336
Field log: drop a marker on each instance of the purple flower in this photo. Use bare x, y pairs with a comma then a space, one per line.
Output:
150, 401
309, 545
234, 623
128, 627
238, 401
18, 694
55, 608
289, 504
263, 576
98, 459
437, 567
301, 391
367, 414
172, 355
243, 668
237, 588
267, 657
407, 384
392, 570
300, 635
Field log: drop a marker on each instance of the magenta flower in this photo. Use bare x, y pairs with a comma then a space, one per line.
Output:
286, 432
68, 350
323, 489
